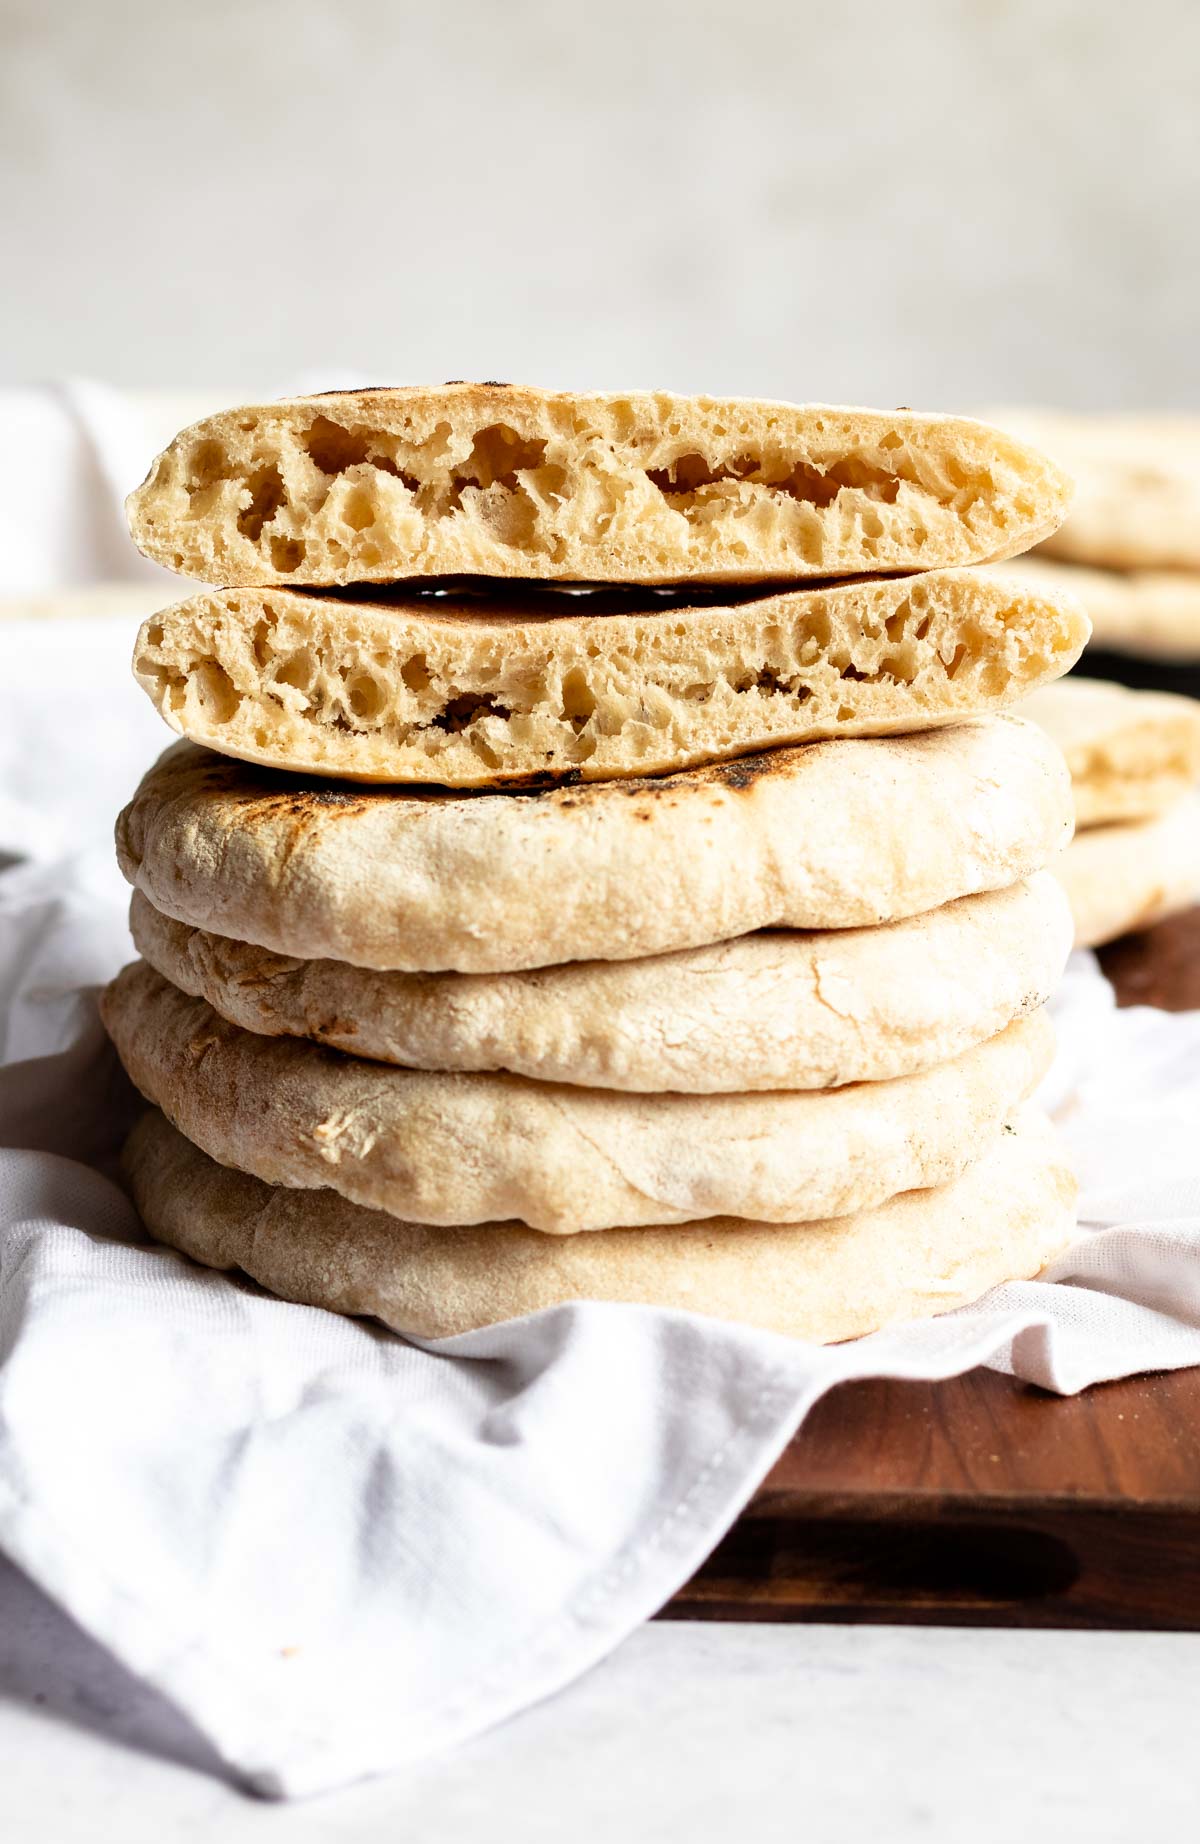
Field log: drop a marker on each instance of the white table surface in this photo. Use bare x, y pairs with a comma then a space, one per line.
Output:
696, 1732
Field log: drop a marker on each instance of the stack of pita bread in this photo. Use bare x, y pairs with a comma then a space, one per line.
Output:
1134, 758
680, 940
1130, 549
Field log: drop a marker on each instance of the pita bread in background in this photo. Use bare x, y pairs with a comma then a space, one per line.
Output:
1137, 499
1126, 877
471, 692
925, 1252
1132, 754
641, 487
841, 834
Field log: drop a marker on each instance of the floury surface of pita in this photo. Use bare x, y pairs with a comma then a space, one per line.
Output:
451, 1148
777, 1009
925, 1252
843, 834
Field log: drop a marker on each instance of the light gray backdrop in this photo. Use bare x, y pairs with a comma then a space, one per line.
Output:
913, 202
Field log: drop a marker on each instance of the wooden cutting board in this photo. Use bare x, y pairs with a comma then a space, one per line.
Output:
981, 1501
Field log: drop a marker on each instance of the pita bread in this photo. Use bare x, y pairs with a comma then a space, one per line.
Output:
842, 834
1153, 614
1137, 500
772, 1010
1120, 878
1132, 754
496, 480
926, 1252
448, 1148
468, 693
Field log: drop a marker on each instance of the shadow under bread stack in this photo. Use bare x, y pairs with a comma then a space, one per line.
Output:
679, 942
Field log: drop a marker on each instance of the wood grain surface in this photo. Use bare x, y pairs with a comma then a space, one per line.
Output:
982, 1501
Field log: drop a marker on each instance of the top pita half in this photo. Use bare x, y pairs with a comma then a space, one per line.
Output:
469, 692
1137, 501
1132, 754
643, 487
841, 834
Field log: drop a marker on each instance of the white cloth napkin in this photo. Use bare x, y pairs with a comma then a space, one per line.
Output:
335, 1551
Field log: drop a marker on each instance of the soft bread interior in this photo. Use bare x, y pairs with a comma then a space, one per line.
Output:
376, 486
452, 692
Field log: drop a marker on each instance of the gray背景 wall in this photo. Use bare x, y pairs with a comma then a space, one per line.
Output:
929, 203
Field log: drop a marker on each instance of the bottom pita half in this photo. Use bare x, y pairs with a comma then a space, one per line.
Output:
1131, 754
1120, 878
453, 1149
478, 690
925, 1252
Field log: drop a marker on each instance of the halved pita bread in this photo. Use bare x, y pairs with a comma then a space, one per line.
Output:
1132, 754
926, 1252
777, 1009
440, 1148
640, 487
842, 834
1137, 501
1119, 878
1149, 614
471, 692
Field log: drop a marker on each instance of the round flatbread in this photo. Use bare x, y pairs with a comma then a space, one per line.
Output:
777, 1009
439, 1148
1132, 754
1119, 878
842, 834
926, 1252
474, 692
639, 487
